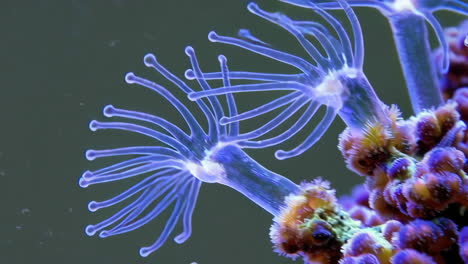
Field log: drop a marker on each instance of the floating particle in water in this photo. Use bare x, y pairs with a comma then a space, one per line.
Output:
113, 43
466, 40
25, 211
48, 233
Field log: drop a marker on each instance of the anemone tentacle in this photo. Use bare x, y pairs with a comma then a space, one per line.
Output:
331, 79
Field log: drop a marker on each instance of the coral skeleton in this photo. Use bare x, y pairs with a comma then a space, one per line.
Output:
411, 206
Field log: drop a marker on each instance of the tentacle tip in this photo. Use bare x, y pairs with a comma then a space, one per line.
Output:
213, 36
83, 183
90, 154
281, 155
224, 120
192, 96
189, 75
242, 31
149, 60
222, 59
189, 51
90, 230
92, 206
181, 238
252, 7
108, 110
87, 174
130, 78
104, 234
93, 125
145, 251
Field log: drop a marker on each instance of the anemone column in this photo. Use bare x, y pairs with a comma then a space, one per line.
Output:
412, 42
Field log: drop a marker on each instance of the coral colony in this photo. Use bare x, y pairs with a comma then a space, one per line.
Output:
412, 207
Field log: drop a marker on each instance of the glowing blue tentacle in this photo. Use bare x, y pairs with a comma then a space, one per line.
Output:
357, 33
312, 24
91, 230
457, 6
278, 120
255, 76
162, 205
442, 41
147, 194
316, 134
234, 126
215, 104
187, 216
193, 124
170, 225
96, 125
246, 34
277, 103
339, 29
111, 111
123, 165
293, 130
150, 61
138, 211
333, 50
155, 165
357, 3
154, 179
92, 154
292, 60
257, 87
287, 24
146, 201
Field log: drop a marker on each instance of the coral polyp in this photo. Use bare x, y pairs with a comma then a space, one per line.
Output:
408, 21
174, 172
334, 80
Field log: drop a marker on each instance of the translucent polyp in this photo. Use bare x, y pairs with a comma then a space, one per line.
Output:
332, 79
408, 21
171, 172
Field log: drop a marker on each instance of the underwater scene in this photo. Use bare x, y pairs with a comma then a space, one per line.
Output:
270, 131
